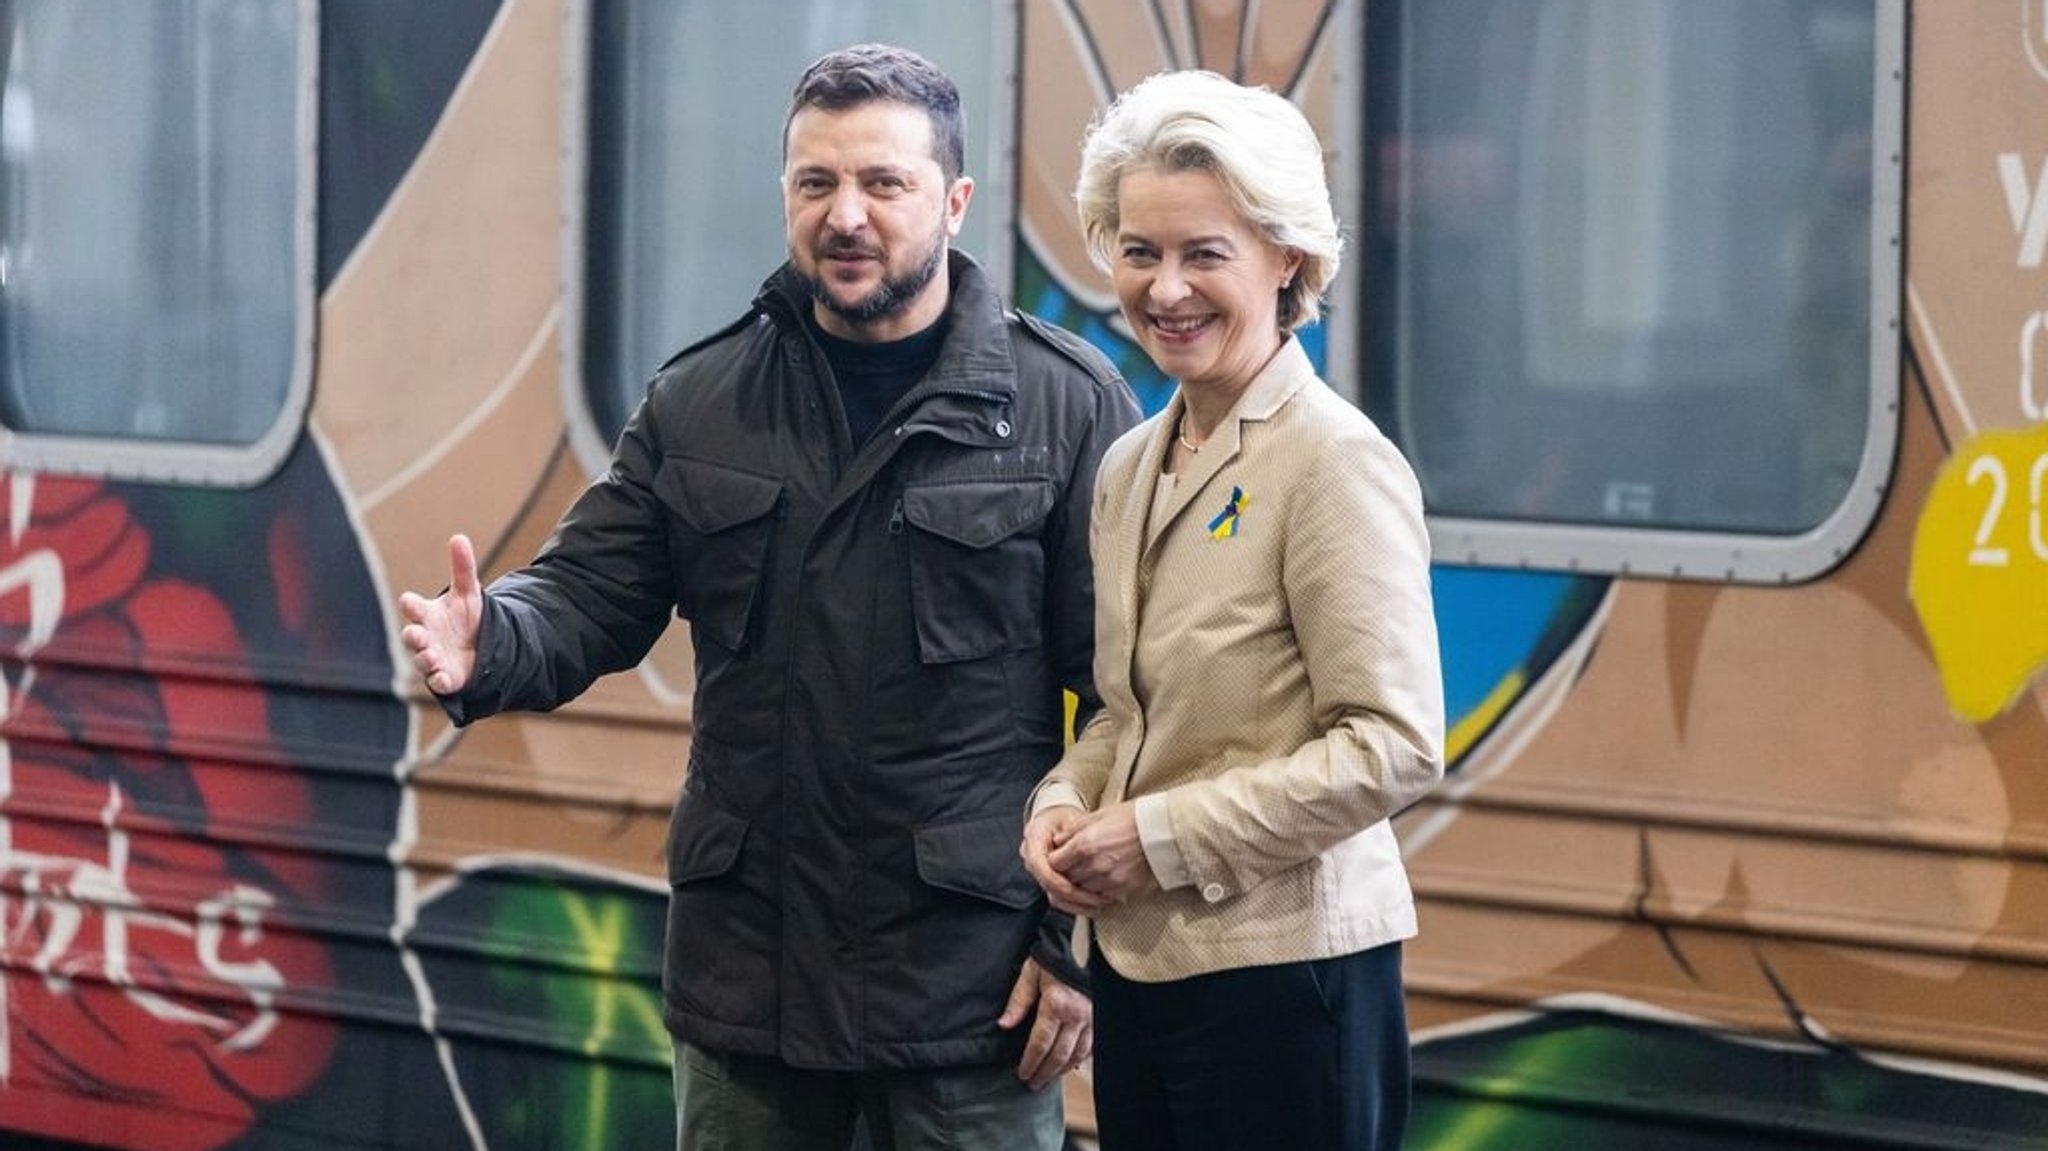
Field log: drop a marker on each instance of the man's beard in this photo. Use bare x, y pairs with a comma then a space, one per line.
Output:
891, 296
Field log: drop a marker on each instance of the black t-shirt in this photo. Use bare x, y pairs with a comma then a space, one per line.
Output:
872, 377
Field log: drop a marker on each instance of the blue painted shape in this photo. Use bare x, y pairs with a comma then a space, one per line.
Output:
1491, 623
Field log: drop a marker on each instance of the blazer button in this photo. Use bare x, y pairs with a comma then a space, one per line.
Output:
1213, 892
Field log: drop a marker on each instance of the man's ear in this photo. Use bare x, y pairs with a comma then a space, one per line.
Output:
957, 197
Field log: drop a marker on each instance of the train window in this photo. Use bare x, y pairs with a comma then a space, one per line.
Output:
1630, 276
682, 207
156, 252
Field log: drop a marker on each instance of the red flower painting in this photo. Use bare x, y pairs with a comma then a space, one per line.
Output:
149, 961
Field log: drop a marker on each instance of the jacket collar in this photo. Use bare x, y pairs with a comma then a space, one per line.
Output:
967, 396
1275, 384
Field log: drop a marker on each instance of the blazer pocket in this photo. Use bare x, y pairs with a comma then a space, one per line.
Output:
977, 857
977, 567
703, 841
720, 530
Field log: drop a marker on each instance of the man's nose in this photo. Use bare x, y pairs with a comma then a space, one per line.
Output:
848, 211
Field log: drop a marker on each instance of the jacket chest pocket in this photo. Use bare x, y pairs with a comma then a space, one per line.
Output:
721, 525
977, 566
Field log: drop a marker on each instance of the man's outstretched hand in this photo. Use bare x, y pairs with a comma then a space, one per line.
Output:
441, 632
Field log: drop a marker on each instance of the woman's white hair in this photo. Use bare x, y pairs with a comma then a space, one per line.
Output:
1257, 144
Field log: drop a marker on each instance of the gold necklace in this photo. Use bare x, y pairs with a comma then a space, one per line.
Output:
1180, 432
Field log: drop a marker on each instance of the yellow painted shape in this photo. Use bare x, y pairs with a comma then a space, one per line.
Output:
1980, 569
1480, 719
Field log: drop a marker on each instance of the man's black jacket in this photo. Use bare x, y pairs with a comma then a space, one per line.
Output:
882, 633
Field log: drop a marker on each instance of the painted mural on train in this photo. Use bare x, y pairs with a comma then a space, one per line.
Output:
1724, 860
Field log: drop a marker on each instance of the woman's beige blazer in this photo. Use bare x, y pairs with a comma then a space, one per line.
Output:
1267, 657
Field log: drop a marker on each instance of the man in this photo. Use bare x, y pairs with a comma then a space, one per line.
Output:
869, 496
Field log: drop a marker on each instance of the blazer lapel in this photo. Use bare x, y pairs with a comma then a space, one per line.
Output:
1277, 382
1221, 449
1134, 528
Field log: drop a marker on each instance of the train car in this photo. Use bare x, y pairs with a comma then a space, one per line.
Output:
1716, 330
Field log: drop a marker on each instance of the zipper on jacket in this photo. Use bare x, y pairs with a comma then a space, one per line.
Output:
896, 518
972, 393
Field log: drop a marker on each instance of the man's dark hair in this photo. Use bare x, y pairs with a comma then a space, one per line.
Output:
866, 73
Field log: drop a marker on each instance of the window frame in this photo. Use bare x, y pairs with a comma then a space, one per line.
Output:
1669, 552
171, 461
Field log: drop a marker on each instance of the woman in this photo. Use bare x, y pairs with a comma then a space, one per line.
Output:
1266, 654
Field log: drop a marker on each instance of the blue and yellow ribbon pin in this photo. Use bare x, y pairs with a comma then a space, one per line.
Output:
1225, 524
